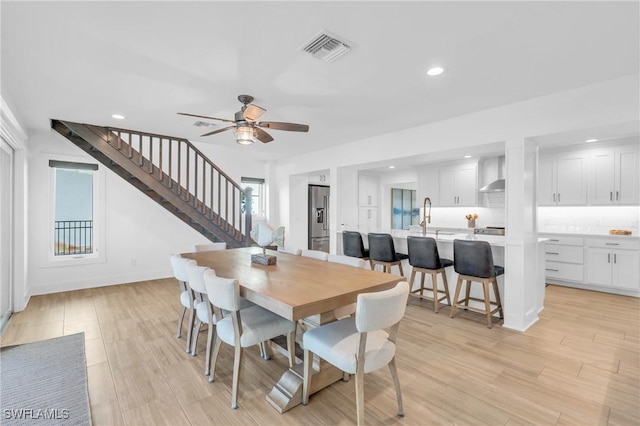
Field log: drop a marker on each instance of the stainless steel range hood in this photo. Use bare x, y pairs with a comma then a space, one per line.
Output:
497, 185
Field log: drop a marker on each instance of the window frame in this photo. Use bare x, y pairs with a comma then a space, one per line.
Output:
262, 190
98, 243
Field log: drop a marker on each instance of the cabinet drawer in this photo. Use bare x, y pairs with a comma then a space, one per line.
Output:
567, 241
617, 243
564, 271
560, 253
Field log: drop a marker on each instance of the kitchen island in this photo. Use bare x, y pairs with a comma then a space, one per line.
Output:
444, 239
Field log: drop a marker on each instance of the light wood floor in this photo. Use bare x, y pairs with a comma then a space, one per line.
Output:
579, 365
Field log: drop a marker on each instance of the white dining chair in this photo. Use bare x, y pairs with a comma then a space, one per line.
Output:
347, 260
358, 345
295, 252
179, 264
315, 254
243, 328
210, 246
350, 309
204, 311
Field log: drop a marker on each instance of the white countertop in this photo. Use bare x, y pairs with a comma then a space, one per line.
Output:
590, 234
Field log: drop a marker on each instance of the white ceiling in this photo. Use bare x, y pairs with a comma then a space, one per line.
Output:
84, 61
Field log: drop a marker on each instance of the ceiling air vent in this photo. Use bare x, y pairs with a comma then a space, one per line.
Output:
203, 124
326, 46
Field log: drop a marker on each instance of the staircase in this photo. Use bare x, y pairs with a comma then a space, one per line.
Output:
172, 172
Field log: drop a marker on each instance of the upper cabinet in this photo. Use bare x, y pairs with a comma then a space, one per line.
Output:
458, 185
367, 191
615, 176
562, 179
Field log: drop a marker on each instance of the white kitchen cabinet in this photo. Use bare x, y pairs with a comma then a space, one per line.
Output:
564, 258
615, 176
612, 262
367, 190
458, 185
368, 219
562, 179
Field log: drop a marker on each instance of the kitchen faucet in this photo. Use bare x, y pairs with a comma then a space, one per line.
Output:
425, 217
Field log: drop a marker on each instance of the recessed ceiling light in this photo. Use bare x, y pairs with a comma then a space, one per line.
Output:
467, 156
591, 140
118, 116
435, 71
392, 167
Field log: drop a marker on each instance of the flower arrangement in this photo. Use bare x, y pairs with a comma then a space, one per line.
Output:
471, 219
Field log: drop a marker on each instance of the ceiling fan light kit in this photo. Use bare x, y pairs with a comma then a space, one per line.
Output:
245, 126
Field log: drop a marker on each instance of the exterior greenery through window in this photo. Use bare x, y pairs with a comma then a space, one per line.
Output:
404, 211
257, 195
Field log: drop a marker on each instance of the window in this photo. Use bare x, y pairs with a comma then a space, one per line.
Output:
404, 211
257, 194
73, 197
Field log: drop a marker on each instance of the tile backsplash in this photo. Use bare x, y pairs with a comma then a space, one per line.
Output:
588, 219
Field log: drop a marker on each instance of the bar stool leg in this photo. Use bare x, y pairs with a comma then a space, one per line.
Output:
399, 266
467, 293
446, 286
434, 289
421, 283
487, 301
498, 301
455, 297
412, 279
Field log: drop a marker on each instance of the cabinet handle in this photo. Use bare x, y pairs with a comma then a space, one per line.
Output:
554, 197
615, 258
610, 195
609, 258
612, 244
552, 270
368, 214
554, 240
617, 196
558, 197
369, 200
550, 252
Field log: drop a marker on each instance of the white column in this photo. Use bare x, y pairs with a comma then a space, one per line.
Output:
523, 283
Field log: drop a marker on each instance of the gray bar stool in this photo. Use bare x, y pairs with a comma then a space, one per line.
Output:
383, 252
424, 258
473, 261
353, 246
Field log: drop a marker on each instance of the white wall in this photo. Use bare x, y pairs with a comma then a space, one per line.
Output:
140, 234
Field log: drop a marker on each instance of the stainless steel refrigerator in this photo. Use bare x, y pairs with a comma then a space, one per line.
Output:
319, 218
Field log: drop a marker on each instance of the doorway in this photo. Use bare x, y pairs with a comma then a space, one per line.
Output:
6, 233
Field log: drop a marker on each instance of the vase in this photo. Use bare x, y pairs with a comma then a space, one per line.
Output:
471, 223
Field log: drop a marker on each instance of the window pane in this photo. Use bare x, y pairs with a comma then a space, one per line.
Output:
396, 208
406, 208
73, 226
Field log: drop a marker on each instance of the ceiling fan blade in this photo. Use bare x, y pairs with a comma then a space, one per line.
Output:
263, 136
276, 125
210, 118
253, 112
224, 129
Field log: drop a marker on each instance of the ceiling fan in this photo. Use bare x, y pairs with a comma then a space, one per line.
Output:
246, 127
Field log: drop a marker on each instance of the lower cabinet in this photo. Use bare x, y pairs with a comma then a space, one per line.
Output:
597, 263
367, 219
613, 263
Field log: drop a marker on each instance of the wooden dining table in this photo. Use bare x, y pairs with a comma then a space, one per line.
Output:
296, 288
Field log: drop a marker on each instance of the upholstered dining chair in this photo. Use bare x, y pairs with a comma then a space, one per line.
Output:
210, 246
359, 345
350, 309
204, 312
315, 254
382, 251
473, 261
243, 328
179, 264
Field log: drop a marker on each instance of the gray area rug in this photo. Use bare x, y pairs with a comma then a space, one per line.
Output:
45, 383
